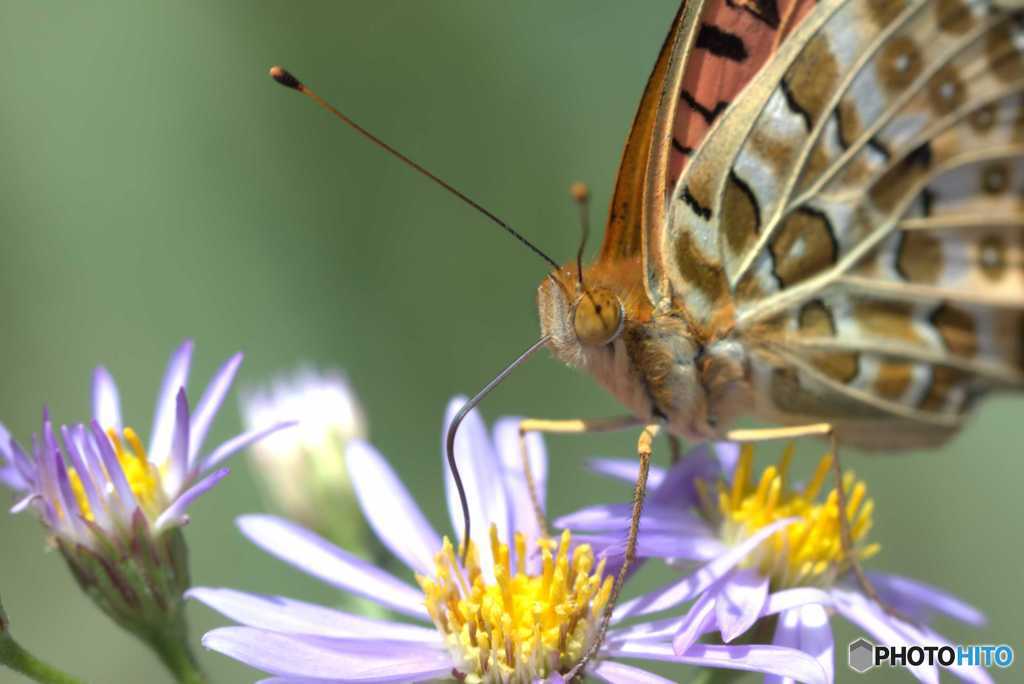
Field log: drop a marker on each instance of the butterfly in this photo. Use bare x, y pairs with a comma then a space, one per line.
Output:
817, 217
817, 220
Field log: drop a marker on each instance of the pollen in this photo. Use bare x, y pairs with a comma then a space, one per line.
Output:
522, 627
142, 476
808, 552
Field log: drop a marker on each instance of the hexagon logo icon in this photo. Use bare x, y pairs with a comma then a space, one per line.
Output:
861, 655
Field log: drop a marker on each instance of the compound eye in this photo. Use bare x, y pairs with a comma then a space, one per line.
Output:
597, 318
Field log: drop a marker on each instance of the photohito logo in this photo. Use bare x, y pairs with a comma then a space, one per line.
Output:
864, 655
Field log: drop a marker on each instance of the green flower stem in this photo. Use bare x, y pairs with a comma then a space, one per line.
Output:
177, 657
12, 655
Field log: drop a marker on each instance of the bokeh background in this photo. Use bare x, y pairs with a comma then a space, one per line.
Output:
156, 185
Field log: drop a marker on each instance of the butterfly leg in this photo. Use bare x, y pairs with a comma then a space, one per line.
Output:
643, 449
560, 427
845, 534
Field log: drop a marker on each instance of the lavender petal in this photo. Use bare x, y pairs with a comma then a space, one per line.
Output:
178, 474
786, 662
338, 660
522, 517
321, 559
741, 602
884, 628
175, 378
626, 470
695, 547
239, 442
806, 628
210, 403
918, 599
617, 673
689, 587
106, 401
175, 514
279, 614
678, 489
698, 620
390, 509
101, 444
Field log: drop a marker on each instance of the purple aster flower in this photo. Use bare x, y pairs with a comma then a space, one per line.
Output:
704, 512
114, 508
523, 608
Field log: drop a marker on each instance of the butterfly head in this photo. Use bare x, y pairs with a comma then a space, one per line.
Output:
582, 320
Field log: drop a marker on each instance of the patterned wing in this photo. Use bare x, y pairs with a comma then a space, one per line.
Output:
862, 203
715, 47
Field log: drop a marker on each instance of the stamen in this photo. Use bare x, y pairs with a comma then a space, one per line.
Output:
810, 550
520, 627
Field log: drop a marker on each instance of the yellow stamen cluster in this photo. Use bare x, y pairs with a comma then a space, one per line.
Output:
522, 627
143, 477
808, 552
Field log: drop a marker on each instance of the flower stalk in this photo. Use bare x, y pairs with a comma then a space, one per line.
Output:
15, 657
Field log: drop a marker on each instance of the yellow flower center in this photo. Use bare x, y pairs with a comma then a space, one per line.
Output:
143, 477
808, 552
522, 627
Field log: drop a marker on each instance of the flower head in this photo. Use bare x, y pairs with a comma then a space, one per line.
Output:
114, 507
303, 469
766, 547
522, 609
807, 552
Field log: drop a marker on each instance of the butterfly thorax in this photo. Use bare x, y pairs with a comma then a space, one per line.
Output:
653, 363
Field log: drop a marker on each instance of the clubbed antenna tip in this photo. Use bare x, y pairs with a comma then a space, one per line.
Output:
282, 76
579, 191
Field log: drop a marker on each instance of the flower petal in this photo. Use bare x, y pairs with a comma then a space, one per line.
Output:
178, 473
918, 599
740, 602
321, 559
338, 660
806, 628
85, 477
677, 489
683, 546
175, 377
238, 442
210, 402
626, 470
616, 517
617, 673
480, 471
522, 517
175, 514
106, 401
390, 509
698, 620
786, 662
794, 598
975, 674
884, 628
689, 587
667, 627
279, 614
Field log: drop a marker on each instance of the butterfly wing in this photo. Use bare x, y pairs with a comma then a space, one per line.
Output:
712, 50
855, 217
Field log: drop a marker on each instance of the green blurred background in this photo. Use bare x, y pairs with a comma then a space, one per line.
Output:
155, 184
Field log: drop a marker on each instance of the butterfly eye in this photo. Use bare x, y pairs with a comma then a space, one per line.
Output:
597, 318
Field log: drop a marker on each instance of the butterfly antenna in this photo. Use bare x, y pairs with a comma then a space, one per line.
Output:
453, 429
581, 194
286, 79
